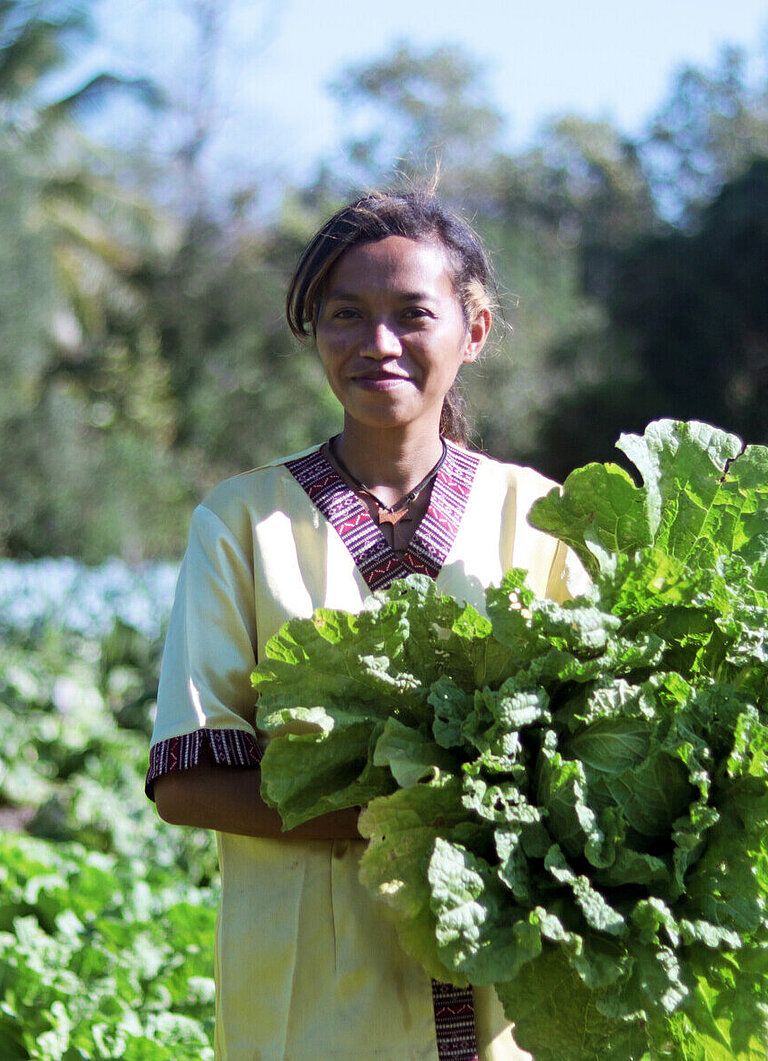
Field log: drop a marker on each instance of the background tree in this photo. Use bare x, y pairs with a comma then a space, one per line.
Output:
143, 352
681, 333
690, 315
419, 112
714, 122
86, 409
561, 216
697, 308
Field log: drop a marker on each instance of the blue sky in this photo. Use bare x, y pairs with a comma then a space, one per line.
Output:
597, 58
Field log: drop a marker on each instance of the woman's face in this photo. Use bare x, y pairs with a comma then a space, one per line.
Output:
391, 333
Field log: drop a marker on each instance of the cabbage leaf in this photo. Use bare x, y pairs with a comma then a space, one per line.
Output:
568, 801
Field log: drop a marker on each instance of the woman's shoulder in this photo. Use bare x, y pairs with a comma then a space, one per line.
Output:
253, 492
518, 477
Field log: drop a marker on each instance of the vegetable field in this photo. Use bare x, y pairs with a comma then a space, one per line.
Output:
106, 915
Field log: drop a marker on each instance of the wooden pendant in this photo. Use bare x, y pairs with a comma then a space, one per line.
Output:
388, 516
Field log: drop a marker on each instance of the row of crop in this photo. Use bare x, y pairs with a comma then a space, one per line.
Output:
63, 594
106, 915
101, 956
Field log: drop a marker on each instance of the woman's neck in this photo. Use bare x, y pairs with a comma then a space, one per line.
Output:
390, 463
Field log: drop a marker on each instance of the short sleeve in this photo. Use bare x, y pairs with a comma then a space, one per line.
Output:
205, 701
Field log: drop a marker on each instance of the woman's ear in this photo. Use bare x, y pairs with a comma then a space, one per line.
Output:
479, 329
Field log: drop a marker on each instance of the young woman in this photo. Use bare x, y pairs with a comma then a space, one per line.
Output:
394, 291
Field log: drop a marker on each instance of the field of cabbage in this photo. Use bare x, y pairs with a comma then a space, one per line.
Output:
106, 915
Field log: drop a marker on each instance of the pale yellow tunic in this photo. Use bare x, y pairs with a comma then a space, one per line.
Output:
307, 967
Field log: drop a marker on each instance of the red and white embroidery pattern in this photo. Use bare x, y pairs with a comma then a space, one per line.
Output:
227, 747
454, 1022
374, 558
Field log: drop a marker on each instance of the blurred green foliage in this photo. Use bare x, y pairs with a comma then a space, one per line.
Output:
106, 915
143, 353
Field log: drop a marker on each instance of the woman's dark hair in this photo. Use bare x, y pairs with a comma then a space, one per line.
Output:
416, 215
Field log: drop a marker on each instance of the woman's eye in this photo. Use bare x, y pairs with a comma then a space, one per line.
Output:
415, 313
347, 313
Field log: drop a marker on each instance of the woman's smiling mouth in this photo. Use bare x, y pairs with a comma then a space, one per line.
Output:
380, 380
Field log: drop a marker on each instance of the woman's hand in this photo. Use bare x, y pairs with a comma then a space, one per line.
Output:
228, 799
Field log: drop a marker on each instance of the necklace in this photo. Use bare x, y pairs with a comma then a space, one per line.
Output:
389, 513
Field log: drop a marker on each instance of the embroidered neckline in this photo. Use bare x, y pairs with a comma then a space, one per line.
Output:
374, 558
401, 509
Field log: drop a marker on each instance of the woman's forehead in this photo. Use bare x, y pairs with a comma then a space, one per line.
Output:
395, 261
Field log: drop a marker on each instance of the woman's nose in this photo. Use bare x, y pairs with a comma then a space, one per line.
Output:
382, 341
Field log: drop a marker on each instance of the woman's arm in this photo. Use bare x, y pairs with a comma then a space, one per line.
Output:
229, 799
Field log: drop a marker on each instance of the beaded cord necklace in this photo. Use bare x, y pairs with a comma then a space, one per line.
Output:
390, 513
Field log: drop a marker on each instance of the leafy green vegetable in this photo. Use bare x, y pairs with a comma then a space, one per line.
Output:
94, 963
569, 801
107, 918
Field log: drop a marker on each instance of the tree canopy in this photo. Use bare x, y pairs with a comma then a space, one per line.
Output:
143, 352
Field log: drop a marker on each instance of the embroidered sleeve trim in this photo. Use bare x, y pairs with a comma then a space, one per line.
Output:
454, 1009
226, 747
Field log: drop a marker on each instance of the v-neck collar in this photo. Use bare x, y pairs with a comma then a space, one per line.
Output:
374, 557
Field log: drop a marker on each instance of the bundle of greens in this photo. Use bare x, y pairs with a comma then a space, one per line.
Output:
567, 801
